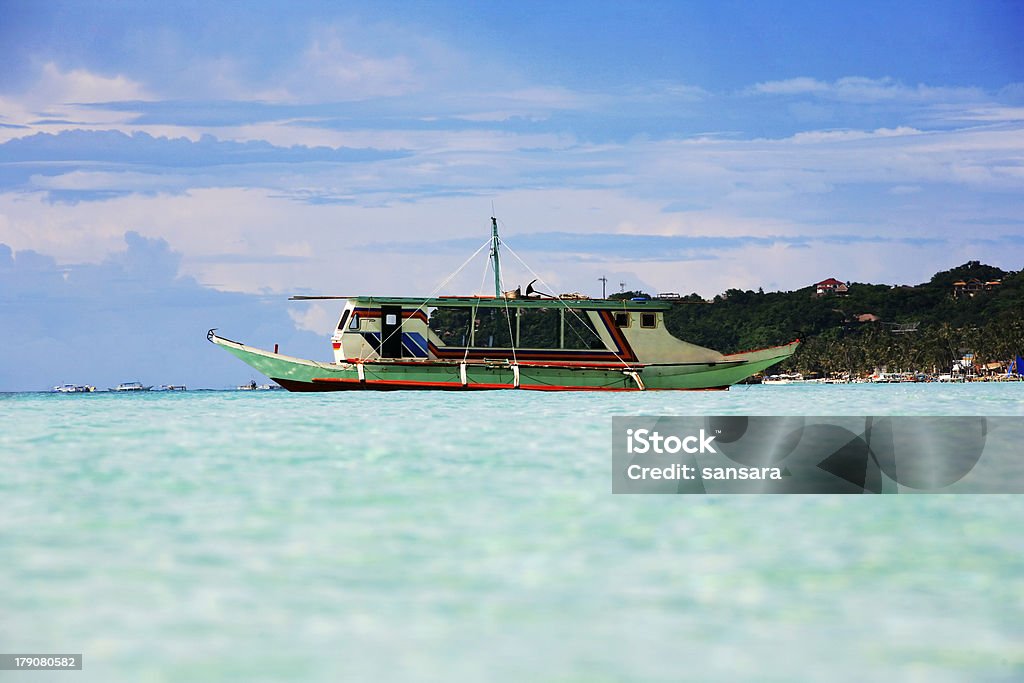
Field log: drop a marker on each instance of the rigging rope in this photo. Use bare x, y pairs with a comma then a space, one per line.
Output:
431, 295
561, 301
472, 315
508, 318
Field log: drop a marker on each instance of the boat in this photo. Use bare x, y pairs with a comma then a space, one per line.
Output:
788, 378
511, 340
883, 376
173, 387
74, 389
130, 386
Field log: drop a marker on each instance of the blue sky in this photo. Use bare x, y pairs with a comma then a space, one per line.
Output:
165, 168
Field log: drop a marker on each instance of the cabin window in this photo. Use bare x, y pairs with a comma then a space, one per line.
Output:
489, 329
344, 319
622, 319
391, 319
648, 320
539, 328
354, 324
580, 332
452, 324
493, 329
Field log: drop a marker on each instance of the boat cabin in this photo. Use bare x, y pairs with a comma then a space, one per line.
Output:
516, 329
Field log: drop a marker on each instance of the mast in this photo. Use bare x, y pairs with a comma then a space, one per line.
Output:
494, 257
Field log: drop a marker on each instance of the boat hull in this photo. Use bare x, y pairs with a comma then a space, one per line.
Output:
297, 374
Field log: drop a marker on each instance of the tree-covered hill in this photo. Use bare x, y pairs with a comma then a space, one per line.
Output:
921, 327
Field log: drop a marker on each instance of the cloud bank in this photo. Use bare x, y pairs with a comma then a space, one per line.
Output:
130, 317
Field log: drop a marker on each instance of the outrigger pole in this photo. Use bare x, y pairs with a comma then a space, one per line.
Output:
494, 257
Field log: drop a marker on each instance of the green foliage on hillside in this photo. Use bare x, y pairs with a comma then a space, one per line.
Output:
988, 324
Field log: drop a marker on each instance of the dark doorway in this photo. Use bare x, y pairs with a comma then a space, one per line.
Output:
390, 332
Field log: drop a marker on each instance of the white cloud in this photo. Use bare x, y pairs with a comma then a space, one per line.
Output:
55, 102
229, 238
331, 66
130, 181
791, 86
782, 267
820, 161
314, 317
55, 86
787, 186
982, 114
822, 136
867, 90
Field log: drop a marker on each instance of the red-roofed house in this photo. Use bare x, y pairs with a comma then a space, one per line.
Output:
830, 286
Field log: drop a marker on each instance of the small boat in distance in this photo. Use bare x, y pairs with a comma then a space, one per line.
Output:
173, 387
252, 386
513, 340
74, 389
130, 386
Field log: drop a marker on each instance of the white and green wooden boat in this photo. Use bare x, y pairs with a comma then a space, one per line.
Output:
507, 341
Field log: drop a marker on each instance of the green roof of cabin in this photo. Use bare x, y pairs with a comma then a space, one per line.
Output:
492, 302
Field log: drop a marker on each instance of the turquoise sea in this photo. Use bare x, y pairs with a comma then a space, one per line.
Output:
248, 536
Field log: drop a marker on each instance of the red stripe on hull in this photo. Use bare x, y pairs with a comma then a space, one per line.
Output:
346, 384
554, 356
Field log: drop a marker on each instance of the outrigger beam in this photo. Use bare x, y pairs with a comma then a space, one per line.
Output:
300, 297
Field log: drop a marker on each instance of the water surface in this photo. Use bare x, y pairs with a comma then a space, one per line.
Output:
432, 536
